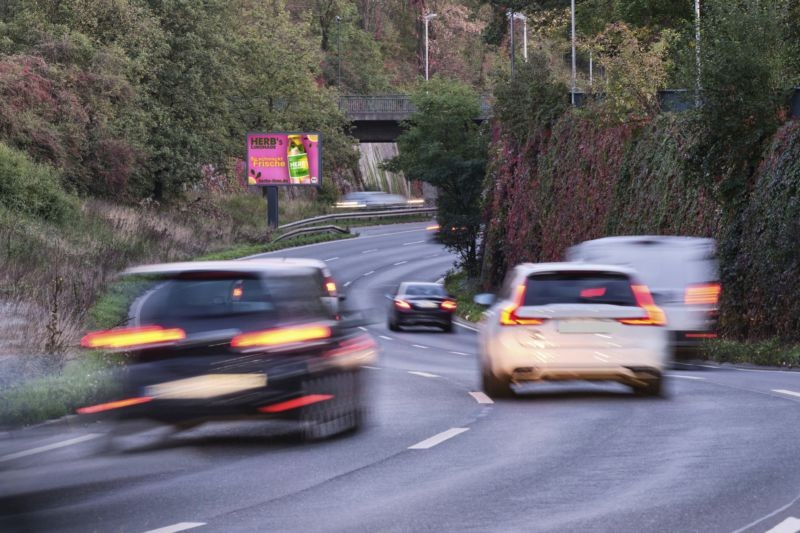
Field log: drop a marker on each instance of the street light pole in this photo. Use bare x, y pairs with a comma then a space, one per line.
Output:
698, 61
524, 20
427, 18
339, 52
510, 16
572, 92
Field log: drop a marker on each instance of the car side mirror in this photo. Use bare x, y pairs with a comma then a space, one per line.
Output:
485, 299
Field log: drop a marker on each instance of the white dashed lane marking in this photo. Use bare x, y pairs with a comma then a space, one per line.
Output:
459, 353
790, 525
370, 367
371, 272
787, 392
370, 251
48, 447
348, 283
413, 242
331, 259
438, 439
400, 263
384, 337
695, 378
174, 528
480, 397
423, 374
420, 346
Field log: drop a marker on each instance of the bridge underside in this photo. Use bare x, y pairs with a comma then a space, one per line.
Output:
376, 131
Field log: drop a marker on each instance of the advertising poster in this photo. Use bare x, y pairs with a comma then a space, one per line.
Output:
284, 159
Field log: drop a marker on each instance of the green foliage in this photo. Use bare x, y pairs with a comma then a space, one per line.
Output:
771, 352
744, 76
443, 146
32, 189
463, 289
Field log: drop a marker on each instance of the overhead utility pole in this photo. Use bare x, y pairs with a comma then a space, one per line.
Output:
427, 18
574, 75
698, 61
524, 20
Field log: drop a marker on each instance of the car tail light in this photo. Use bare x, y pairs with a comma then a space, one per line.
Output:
655, 315
353, 346
402, 304
302, 401
148, 336
112, 405
702, 294
273, 337
449, 305
508, 316
330, 286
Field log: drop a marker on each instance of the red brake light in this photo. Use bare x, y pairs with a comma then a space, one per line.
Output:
132, 337
112, 405
302, 401
402, 304
273, 337
593, 293
655, 315
704, 293
449, 305
508, 316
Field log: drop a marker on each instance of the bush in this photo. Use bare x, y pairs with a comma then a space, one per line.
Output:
32, 189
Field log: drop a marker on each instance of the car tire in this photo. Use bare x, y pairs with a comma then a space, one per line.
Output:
448, 328
654, 388
495, 387
343, 413
392, 325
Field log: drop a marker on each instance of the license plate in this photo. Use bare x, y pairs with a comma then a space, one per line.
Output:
583, 326
427, 305
207, 386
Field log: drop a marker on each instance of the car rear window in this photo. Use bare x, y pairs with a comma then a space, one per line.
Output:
425, 290
231, 299
579, 288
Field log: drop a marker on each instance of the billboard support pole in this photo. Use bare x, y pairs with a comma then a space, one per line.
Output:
271, 195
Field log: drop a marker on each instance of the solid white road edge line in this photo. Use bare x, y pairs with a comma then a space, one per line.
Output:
438, 439
49, 447
465, 326
787, 392
174, 528
423, 374
790, 525
767, 517
370, 367
480, 397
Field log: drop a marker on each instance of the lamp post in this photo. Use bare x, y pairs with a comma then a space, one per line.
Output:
698, 83
510, 15
572, 14
427, 18
524, 20
339, 52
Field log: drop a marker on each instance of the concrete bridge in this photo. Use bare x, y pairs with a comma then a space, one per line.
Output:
378, 118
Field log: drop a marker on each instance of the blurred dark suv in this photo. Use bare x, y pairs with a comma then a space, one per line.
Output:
236, 339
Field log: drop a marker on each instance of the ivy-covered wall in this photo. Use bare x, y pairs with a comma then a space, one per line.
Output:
582, 180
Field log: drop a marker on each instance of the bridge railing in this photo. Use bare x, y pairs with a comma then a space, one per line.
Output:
389, 107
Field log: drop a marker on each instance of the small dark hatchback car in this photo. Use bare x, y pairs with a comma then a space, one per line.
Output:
236, 339
421, 304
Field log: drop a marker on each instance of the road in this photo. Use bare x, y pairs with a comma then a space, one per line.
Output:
718, 454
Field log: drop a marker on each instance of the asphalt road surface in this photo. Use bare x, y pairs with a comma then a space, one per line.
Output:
719, 454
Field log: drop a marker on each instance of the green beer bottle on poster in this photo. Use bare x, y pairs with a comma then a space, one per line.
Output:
298, 160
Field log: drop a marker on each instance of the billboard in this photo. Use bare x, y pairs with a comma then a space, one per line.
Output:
284, 159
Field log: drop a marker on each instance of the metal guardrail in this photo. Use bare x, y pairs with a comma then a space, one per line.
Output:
307, 231
360, 214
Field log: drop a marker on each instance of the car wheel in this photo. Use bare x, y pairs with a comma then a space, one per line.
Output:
654, 387
448, 328
495, 387
340, 414
392, 325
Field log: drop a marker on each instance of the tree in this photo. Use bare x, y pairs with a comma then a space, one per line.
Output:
444, 146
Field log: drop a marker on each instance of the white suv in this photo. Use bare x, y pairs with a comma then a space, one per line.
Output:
571, 321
